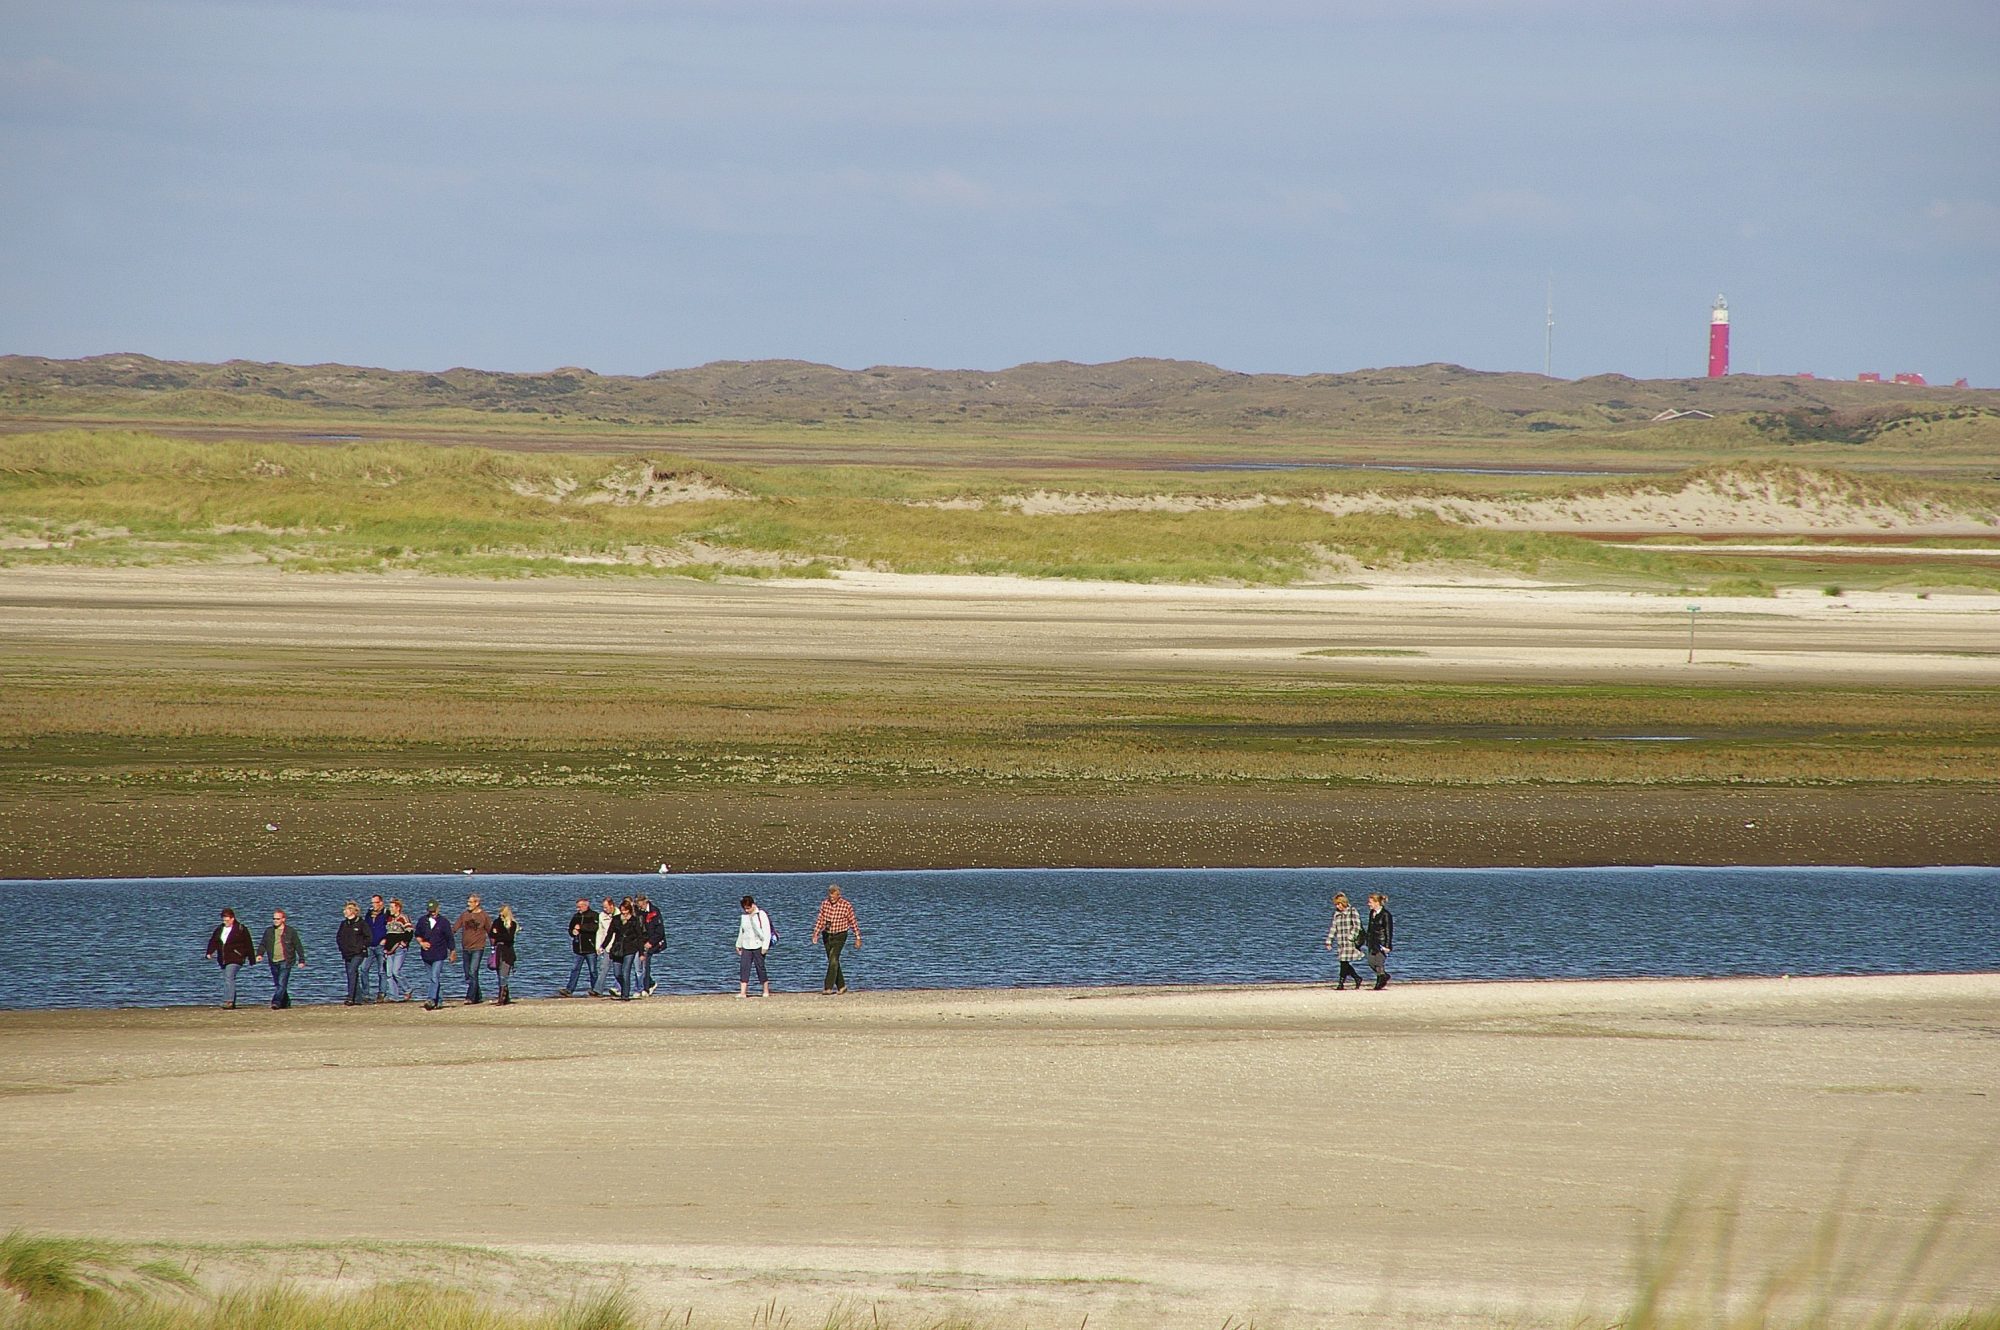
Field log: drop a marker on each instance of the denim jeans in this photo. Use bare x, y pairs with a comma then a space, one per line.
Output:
392, 973
353, 965
644, 977
623, 966
371, 973
585, 960
434, 973
229, 983
281, 984
473, 959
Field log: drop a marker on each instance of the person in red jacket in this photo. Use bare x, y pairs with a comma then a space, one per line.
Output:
229, 946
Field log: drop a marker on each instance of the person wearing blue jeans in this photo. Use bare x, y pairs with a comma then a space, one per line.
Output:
434, 947
229, 945
352, 939
283, 948
583, 944
376, 969
474, 929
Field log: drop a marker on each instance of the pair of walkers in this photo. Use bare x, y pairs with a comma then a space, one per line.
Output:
616, 944
833, 927
1354, 937
229, 946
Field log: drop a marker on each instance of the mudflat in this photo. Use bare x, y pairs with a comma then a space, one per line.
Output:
157, 721
1297, 1156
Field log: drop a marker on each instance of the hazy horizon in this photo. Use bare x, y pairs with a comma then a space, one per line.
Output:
1269, 187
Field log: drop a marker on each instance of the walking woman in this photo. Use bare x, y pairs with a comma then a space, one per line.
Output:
396, 935
835, 924
753, 939
503, 931
231, 949
628, 939
1345, 935
1379, 936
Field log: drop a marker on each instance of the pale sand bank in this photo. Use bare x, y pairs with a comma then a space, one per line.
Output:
1384, 624
1162, 1156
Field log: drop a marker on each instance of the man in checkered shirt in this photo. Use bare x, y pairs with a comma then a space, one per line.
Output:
836, 923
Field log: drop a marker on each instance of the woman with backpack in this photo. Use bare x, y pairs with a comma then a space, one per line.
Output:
754, 936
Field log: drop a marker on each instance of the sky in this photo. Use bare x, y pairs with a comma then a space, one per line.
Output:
1267, 185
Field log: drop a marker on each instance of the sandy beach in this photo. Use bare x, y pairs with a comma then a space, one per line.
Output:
1294, 1155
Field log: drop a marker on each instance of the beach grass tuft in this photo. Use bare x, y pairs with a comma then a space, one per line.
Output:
38, 1268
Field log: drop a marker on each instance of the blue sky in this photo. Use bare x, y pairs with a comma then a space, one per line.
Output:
1271, 186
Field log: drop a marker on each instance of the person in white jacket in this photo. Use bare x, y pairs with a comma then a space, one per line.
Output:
607, 916
753, 938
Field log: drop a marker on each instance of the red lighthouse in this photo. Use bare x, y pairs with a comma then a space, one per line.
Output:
1718, 339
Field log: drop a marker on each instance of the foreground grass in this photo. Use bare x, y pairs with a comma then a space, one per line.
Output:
69, 1284
119, 498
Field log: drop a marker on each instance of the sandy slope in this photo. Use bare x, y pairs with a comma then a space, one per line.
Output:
1293, 1154
1771, 501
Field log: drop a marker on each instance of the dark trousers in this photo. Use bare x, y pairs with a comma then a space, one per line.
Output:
1378, 961
834, 978
353, 967
1347, 972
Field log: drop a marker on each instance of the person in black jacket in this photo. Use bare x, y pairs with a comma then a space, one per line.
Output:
628, 940
1379, 936
505, 928
354, 938
656, 942
583, 942
230, 945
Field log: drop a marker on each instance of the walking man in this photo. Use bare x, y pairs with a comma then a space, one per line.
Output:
352, 939
376, 970
583, 943
434, 946
474, 928
230, 945
1379, 933
283, 948
1345, 934
835, 924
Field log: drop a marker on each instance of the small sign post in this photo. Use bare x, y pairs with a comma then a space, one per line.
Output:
1693, 610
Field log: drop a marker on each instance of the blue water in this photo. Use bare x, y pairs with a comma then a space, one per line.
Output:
139, 943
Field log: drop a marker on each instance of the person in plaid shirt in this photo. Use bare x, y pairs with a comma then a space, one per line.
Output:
1346, 935
836, 923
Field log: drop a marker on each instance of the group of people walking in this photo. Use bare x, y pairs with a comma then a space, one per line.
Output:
614, 945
